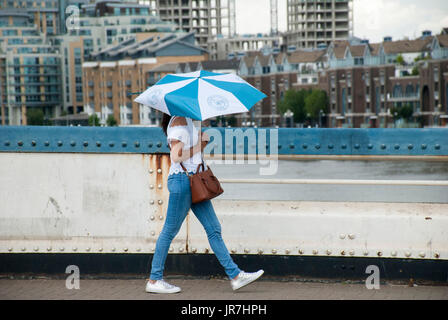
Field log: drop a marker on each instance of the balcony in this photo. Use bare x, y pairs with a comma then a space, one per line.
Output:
409, 97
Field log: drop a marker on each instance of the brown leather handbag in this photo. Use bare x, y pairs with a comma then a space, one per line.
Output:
204, 185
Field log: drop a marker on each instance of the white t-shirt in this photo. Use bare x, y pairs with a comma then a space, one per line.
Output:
189, 136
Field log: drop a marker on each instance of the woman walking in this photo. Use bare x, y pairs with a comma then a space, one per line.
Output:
187, 143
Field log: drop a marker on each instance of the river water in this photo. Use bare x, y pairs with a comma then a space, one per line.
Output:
332, 169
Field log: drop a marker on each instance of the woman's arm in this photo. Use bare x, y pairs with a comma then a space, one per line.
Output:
177, 153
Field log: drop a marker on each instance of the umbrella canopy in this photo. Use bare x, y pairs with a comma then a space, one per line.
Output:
201, 95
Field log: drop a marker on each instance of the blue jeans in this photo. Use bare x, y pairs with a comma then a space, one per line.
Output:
178, 206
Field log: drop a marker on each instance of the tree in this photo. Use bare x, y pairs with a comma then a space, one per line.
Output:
35, 117
407, 112
295, 102
110, 121
94, 120
315, 103
400, 60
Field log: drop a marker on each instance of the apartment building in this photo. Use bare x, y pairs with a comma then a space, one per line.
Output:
207, 18
30, 69
366, 81
114, 76
317, 23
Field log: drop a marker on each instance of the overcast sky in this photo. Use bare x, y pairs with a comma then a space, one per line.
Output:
373, 19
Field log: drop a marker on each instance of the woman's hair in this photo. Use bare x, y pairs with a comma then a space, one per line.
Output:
165, 121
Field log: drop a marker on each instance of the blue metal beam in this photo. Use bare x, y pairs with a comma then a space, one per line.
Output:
413, 142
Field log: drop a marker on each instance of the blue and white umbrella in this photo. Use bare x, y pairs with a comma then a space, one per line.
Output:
201, 95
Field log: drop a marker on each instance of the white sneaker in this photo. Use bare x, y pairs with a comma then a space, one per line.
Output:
160, 286
244, 278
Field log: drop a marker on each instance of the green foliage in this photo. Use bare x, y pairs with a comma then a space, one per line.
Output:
304, 102
405, 112
415, 71
35, 117
94, 120
400, 59
315, 102
110, 121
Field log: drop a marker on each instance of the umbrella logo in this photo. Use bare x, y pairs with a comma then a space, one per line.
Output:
156, 97
218, 102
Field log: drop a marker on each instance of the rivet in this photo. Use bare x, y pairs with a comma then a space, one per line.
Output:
383, 146
330, 146
151, 202
342, 236
370, 146
422, 254
153, 233
343, 252
73, 143
287, 251
60, 143
301, 251
150, 145
160, 217
206, 250
137, 144
98, 144
33, 143
159, 144
159, 170
328, 252
111, 144
138, 249
20, 143
100, 249
274, 251
407, 254
315, 251
437, 146
181, 249
152, 218
317, 146
279, 146
246, 250
159, 186
171, 249
393, 253
397, 146
410, 147
23, 249
153, 248
357, 146
260, 251
7, 143
352, 252
151, 170
436, 255
125, 249
74, 249
49, 249
344, 146
36, 248
47, 143
113, 249
291, 146
194, 250
424, 146
88, 249
160, 202
151, 186
366, 253
124, 144
351, 236
379, 253
85, 144
233, 250
9, 249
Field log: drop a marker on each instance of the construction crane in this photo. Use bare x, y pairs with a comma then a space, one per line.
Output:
274, 17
